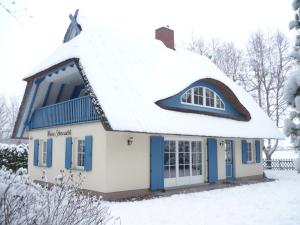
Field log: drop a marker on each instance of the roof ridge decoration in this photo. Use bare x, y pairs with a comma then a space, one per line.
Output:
74, 28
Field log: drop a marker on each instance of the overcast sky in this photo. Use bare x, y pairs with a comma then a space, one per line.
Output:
25, 42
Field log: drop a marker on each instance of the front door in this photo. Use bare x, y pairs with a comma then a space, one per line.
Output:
183, 162
229, 158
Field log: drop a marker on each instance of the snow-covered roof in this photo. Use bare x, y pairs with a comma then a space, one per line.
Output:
129, 74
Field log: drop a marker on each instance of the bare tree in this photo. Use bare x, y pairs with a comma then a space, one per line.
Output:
13, 9
261, 70
4, 116
268, 64
13, 110
225, 55
198, 45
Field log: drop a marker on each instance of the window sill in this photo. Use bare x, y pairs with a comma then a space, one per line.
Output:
77, 168
43, 166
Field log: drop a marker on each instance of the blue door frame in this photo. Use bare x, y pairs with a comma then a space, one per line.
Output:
229, 159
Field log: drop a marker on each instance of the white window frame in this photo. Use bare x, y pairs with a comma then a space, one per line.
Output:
252, 152
42, 152
186, 180
204, 98
75, 151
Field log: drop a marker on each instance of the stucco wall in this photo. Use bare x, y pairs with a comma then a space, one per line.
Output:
95, 179
128, 166
245, 170
118, 166
221, 160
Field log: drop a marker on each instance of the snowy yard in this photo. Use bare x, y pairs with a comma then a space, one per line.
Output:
274, 203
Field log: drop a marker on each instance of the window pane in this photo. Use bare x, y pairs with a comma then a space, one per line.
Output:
181, 158
187, 97
198, 96
44, 153
210, 101
187, 170
166, 159
172, 146
166, 173
181, 170
249, 152
172, 159
80, 152
172, 171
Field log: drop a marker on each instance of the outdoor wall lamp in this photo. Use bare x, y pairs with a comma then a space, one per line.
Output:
129, 141
222, 143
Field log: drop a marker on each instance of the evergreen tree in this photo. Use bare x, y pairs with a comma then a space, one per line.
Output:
292, 88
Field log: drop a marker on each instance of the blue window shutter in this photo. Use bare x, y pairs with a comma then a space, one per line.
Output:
68, 156
257, 149
36, 153
244, 151
156, 163
49, 152
212, 156
88, 153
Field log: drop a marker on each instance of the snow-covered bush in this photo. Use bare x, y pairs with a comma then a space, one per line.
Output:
13, 156
25, 202
292, 88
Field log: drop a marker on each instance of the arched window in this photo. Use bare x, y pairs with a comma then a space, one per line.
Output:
202, 96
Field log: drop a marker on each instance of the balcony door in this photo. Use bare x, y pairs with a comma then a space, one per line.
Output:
183, 162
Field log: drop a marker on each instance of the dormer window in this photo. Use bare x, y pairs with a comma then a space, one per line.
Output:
202, 96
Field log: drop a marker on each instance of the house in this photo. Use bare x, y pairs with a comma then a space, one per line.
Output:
136, 115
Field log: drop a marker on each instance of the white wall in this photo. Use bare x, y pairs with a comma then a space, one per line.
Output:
128, 166
245, 170
95, 179
118, 166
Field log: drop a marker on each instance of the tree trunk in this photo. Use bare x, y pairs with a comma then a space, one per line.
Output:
268, 162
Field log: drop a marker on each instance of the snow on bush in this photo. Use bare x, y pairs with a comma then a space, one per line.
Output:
25, 202
13, 156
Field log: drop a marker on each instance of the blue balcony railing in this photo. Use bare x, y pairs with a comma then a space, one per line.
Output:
77, 110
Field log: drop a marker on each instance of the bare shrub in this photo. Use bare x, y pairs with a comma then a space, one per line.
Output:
25, 202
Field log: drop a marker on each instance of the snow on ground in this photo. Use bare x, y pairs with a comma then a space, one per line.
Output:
274, 203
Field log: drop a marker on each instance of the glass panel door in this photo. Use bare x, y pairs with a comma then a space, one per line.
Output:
184, 158
170, 159
229, 158
196, 158
183, 162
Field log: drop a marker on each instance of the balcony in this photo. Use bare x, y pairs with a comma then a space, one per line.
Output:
74, 111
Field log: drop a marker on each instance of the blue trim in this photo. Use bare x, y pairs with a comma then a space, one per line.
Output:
68, 153
68, 112
49, 152
257, 150
88, 145
36, 153
47, 93
76, 91
74, 28
60, 93
212, 157
39, 80
174, 102
244, 151
156, 163
30, 106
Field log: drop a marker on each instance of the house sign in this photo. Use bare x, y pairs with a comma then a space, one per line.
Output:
57, 133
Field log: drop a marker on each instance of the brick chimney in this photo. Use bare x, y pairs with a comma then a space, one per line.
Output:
166, 35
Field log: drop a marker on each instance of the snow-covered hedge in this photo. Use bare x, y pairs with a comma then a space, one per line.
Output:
25, 202
13, 156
